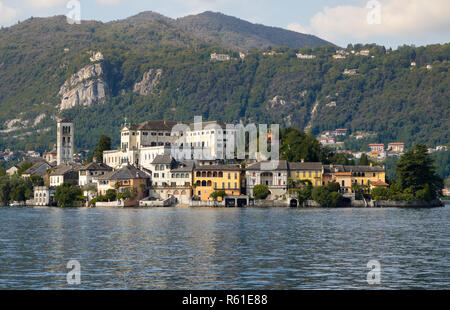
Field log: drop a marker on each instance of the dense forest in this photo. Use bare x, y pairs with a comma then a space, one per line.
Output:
386, 95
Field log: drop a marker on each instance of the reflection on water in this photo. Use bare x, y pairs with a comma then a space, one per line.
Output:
224, 248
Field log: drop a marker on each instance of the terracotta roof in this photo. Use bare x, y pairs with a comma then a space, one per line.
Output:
379, 183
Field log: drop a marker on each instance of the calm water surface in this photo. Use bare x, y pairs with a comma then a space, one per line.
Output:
224, 248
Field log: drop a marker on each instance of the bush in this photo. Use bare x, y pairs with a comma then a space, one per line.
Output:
218, 194
261, 192
334, 187
111, 195
68, 195
380, 193
326, 198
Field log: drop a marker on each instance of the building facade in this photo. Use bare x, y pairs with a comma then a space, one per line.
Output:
209, 179
274, 175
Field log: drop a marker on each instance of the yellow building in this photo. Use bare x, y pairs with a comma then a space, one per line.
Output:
312, 172
208, 179
346, 176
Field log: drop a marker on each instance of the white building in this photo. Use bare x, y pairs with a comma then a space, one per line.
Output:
88, 175
160, 168
65, 142
220, 57
301, 56
64, 174
275, 177
141, 144
43, 196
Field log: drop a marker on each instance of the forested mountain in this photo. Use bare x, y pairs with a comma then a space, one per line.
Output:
152, 69
238, 34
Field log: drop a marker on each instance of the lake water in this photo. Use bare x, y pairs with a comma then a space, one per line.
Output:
224, 248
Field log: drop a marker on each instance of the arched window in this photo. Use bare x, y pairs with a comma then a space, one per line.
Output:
209, 174
204, 183
215, 175
199, 174
220, 174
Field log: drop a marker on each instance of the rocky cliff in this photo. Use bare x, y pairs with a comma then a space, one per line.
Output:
148, 83
84, 88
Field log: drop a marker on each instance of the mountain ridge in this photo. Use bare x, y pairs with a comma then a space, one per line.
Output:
152, 69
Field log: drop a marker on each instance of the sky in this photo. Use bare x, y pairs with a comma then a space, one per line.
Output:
386, 22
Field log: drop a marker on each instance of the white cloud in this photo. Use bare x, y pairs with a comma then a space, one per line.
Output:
7, 14
414, 19
298, 28
46, 3
109, 2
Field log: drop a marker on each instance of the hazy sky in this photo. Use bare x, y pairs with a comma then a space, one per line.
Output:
387, 22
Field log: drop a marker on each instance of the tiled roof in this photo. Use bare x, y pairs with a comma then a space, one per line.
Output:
96, 167
63, 169
219, 167
163, 159
380, 183
305, 166
158, 125
188, 167
210, 125
269, 165
125, 173
342, 168
35, 167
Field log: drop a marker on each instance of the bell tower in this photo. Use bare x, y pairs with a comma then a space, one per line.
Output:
64, 142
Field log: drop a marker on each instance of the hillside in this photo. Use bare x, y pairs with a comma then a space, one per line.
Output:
239, 34
152, 69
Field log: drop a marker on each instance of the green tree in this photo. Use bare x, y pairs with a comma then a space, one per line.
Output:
334, 187
261, 192
215, 195
304, 194
104, 144
364, 160
24, 167
68, 195
380, 193
415, 170
326, 198
297, 146
111, 195
128, 194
